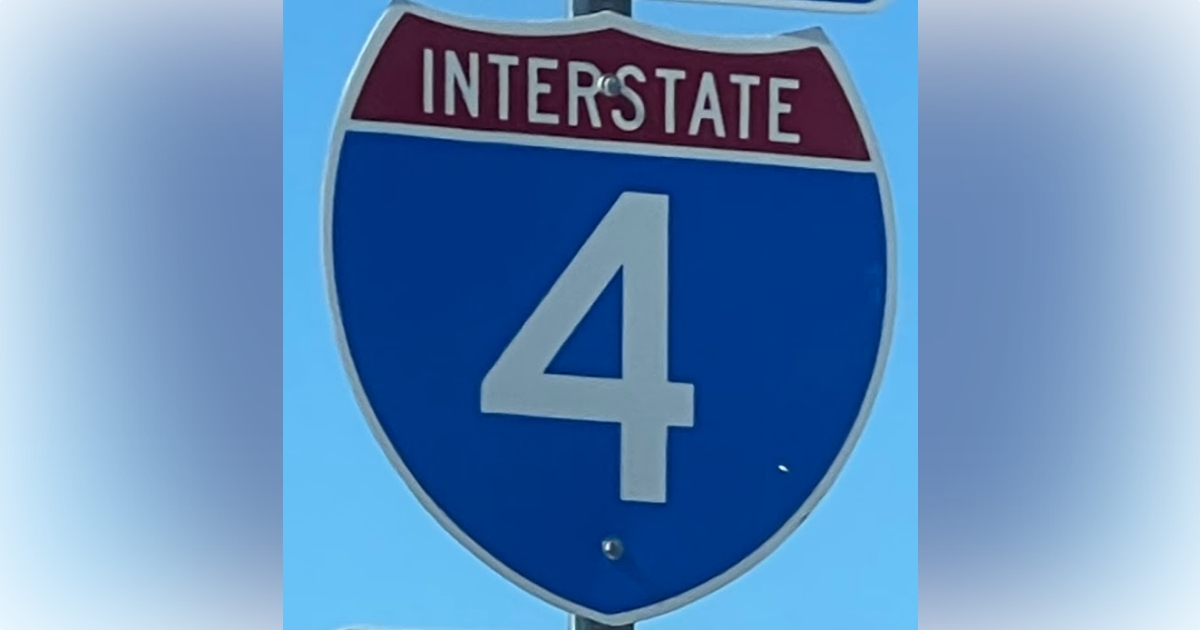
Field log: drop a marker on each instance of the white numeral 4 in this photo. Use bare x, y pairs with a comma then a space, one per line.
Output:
632, 238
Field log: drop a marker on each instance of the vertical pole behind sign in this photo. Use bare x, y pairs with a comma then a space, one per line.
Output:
584, 7
583, 623
579, 8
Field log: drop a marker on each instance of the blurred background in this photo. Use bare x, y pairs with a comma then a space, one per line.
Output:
1060, 419
140, 302
142, 362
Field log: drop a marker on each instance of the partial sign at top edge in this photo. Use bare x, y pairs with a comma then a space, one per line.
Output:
822, 6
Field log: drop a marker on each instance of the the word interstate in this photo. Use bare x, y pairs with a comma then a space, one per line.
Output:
721, 103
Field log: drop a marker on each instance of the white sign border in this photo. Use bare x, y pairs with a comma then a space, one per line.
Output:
586, 24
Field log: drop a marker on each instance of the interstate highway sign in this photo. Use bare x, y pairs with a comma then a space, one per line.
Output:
618, 342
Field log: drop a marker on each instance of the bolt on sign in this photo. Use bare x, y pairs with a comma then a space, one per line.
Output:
615, 300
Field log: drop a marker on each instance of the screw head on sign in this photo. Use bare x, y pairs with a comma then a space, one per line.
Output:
612, 548
610, 85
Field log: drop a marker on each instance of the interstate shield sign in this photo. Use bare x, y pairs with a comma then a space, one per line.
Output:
614, 300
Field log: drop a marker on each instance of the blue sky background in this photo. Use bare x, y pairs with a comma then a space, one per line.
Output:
358, 549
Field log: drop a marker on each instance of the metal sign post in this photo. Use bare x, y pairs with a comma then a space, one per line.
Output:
583, 623
580, 8
622, 391
587, 7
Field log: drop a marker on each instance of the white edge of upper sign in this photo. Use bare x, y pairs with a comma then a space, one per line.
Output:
586, 24
800, 5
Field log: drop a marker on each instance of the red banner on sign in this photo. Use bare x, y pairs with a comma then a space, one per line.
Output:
788, 103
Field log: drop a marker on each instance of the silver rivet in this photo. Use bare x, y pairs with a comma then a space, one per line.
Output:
610, 85
612, 548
